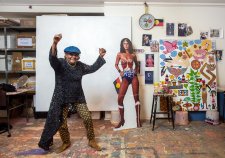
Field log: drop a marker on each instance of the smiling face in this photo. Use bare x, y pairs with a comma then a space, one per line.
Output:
72, 58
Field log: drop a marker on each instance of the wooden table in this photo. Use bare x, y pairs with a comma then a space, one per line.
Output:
5, 96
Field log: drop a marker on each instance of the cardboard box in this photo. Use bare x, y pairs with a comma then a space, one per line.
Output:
2, 63
17, 61
28, 64
28, 22
11, 41
26, 40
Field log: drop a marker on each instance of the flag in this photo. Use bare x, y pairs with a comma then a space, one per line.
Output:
117, 84
158, 22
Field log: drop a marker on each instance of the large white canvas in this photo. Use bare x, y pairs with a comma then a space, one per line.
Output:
89, 34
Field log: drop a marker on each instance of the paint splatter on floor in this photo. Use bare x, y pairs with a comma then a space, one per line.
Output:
200, 140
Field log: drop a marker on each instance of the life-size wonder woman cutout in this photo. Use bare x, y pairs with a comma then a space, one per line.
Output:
128, 59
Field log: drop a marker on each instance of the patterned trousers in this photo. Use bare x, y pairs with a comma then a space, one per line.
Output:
85, 114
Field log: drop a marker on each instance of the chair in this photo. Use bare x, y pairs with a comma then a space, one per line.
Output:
169, 111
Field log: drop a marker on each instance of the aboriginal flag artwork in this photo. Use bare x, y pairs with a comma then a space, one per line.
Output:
188, 67
158, 22
117, 84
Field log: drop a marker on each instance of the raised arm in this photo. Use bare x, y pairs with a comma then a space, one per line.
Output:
54, 61
87, 69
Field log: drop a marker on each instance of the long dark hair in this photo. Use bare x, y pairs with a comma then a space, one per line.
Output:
122, 50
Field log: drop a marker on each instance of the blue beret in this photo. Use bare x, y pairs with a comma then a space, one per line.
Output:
72, 49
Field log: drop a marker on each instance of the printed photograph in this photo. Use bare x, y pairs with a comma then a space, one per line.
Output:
154, 46
149, 77
216, 33
182, 29
146, 39
170, 29
204, 35
149, 60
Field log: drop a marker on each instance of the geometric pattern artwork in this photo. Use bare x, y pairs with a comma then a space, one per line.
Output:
188, 67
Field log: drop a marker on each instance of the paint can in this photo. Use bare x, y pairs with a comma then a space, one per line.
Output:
181, 118
115, 117
212, 117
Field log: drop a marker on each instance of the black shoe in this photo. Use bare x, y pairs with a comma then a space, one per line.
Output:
46, 148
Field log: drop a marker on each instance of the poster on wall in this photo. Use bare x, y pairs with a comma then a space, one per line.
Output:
149, 60
154, 46
170, 29
146, 39
182, 29
149, 77
188, 67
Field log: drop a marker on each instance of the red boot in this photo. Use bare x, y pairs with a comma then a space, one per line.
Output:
122, 121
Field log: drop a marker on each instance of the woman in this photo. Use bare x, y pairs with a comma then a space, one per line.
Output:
129, 76
68, 90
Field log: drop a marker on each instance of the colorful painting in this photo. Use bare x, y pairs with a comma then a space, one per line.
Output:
188, 67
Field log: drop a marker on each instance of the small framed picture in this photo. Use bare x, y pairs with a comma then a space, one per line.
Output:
146, 39
218, 54
149, 60
154, 46
149, 77
216, 33
28, 64
170, 29
204, 35
182, 29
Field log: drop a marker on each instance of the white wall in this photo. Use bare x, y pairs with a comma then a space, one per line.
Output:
88, 34
200, 17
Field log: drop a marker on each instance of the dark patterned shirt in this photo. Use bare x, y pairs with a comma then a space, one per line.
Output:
71, 77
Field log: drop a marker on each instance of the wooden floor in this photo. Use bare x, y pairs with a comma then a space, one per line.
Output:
196, 140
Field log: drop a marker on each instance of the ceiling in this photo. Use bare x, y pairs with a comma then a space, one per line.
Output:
98, 2
90, 3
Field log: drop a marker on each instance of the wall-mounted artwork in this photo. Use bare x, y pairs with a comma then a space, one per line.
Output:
218, 54
149, 77
189, 69
204, 35
154, 46
170, 29
149, 60
182, 29
159, 22
146, 39
139, 51
216, 33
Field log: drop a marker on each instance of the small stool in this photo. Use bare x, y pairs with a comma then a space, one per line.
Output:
169, 108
